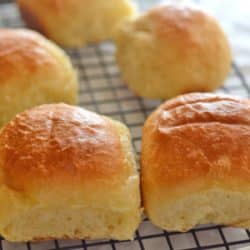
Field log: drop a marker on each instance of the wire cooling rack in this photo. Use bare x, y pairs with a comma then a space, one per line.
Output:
103, 91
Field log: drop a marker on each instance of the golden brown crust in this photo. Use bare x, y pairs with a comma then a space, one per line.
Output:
181, 21
203, 108
59, 143
197, 138
22, 52
33, 71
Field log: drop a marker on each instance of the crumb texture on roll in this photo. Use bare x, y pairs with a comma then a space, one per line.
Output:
73, 23
33, 71
172, 49
196, 162
66, 172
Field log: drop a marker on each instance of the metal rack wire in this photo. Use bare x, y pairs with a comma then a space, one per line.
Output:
102, 90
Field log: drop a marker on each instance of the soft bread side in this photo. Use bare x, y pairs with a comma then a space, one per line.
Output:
67, 173
196, 162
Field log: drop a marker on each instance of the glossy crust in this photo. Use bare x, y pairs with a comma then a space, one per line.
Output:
170, 50
78, 154
59, 143
82, 20
194, 146
33, 67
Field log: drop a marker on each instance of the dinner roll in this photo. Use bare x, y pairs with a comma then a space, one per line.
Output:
73, 23
196, 162
172, 49
66, 172
33, 71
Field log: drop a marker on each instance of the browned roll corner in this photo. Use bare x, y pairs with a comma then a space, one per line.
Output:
196, 162
172, 49
66, 172
33, 71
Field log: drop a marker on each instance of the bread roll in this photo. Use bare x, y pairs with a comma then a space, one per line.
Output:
196, 162
67, 173
72, 23
33, 71
172, 49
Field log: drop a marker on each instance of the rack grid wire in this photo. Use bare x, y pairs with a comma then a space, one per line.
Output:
103, 91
